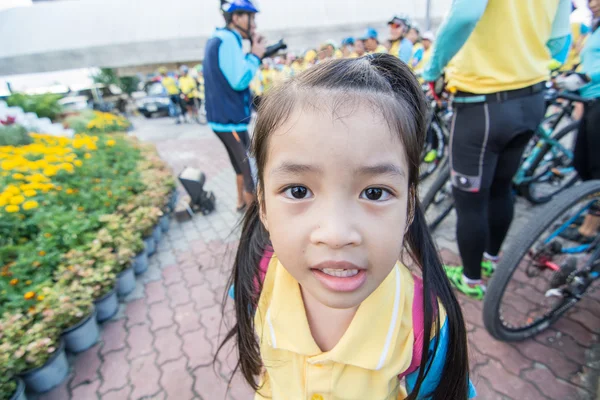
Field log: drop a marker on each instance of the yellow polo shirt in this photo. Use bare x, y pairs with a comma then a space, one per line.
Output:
170, 85
395, 49
365, 363
507, 49
188, 86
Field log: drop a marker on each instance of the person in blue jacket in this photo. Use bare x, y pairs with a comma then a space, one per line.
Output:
228, 72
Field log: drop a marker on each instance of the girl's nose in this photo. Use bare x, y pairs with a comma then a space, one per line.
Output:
336, 226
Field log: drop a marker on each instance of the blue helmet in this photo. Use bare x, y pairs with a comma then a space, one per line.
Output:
244, 6
348, 41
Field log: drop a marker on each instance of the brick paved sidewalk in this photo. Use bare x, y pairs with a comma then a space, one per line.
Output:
161, 343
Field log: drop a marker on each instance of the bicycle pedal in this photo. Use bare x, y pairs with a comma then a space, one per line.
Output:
557, 172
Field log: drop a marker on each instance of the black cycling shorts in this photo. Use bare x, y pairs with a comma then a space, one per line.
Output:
237, 145
587, 146
489, 138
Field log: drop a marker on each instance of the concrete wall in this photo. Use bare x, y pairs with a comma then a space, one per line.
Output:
118, 33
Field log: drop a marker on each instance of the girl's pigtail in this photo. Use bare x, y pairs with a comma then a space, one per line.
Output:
246, 282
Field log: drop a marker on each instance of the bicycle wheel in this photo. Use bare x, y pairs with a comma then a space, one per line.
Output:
551, 171
438, 201
522, 298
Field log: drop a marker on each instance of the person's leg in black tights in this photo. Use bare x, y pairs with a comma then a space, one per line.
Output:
501, 206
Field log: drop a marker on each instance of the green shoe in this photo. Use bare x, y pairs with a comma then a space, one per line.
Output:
475, 292
430, 156
487, 269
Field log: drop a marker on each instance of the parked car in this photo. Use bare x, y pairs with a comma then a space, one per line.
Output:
156, 101
74, 103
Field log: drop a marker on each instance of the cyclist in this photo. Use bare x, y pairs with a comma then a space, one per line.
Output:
371, 42
170, 85
401, 46
427, 41
499, 102
189, 92
587, 145
228, 73
416, 56
348, 48
359, 48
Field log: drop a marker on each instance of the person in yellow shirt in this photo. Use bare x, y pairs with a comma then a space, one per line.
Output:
416, 56
170, 85
500, 51
371, 42
189, 92
427, 42
400, 47
359, 48
325, 310
348, 48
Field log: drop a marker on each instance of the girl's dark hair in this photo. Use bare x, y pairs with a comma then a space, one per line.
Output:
388, 85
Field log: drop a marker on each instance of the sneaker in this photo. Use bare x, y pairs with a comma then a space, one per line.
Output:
487, 269
430, 156
474, 291
572, 233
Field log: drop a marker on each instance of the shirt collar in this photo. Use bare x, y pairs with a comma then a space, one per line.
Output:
380, 330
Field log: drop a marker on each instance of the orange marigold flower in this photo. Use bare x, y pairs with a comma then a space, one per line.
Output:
29, 295
42, 253
36, 263
14, 281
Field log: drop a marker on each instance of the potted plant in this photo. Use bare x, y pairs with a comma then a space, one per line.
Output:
71, 309
95, 274
145, 219
129, 239
38, 355
11, 386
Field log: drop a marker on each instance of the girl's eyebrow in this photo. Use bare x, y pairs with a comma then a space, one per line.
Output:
288, 168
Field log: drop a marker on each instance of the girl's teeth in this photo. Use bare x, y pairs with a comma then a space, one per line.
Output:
340, 273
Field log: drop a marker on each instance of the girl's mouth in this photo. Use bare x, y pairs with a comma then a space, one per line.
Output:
341, 280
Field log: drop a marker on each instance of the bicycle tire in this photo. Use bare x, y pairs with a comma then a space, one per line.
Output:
428, 200
540, 221
526, 190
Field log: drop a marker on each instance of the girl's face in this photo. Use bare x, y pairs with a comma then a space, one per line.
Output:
335, 201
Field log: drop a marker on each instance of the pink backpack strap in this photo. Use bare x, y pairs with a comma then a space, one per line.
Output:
264, 263
418, 328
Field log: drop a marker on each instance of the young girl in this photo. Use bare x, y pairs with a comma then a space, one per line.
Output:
324, 308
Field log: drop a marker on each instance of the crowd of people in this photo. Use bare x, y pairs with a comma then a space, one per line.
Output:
186, 92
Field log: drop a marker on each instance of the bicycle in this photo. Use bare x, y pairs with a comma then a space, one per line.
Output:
547, 168
540, 276
436, 144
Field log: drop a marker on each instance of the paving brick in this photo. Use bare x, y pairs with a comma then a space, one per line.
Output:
113, 336
86, 366
585, 318
239, 389
212, 319
145, 376
553, 388
176, 380
208, 384
561, 366
485, 391
155, 292
168, 344
166, 258
171, 274
564, 344
199, 351
152, 274
136, 293
178, 294
86, 390
136, 312
121, 394
507, 384
187, 318
161, 315
193, 276
140, 341
187, 256
512, 360
114, 371
203, 296
581, 335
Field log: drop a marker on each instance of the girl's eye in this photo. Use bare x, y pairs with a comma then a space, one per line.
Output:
376, 194
297, 192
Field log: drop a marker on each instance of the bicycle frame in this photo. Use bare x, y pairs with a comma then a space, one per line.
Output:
576, 249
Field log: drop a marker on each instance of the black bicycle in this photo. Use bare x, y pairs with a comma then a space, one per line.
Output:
541, 276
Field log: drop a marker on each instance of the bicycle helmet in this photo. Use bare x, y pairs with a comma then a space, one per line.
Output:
184, 69
240, 6
349, 41
162, 70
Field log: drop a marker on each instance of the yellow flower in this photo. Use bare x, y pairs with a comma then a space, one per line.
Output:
78, 163
47, 235
50, 170
29, 295
12, 209
36, 263
42, 253
80, 208
12, 189
31, 204
110, 142
14, 281
28, 282
69, 191
40, 297
87, 156
16, 200
18, 176
30, 193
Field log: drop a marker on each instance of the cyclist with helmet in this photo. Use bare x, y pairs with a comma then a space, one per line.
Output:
371, 42
348, 48
170, 85
228, 72
416, 56
189, 92
401, 46
500, 50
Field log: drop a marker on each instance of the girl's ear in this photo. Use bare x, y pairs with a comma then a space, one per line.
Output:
261, 206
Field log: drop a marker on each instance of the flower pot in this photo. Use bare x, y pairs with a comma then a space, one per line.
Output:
157, 234
165, 221
125, 282
49, 375
150, 245
106, 306
140, 262
173, 200
82, 335
19, 393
